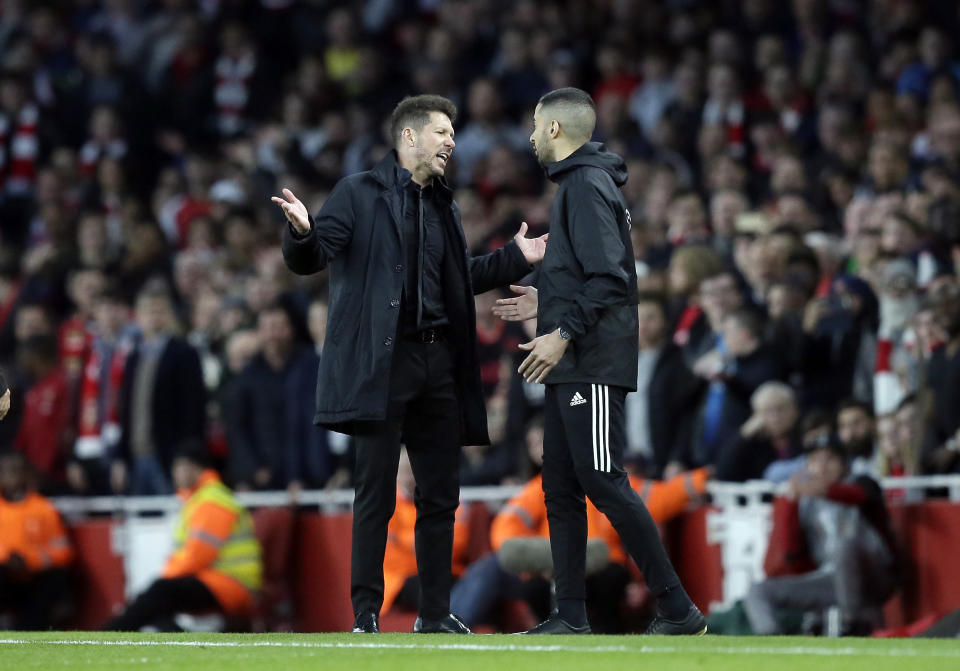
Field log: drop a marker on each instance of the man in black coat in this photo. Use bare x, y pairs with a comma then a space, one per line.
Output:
585, 353
161, 401
400, 362
660, 413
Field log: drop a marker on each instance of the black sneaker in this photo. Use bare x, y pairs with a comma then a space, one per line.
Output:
694, 624
557, 625
366, 622
451, 624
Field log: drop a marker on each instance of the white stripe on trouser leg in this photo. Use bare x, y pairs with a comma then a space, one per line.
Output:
600, 431
606, 423
593, 424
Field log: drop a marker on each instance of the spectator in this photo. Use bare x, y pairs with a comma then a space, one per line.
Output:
842, 522
161, 400
665, 388
769, 443
270, 433
941, 447
485, 129
35, 553
44, 430
216, 563
734, 370
856, 430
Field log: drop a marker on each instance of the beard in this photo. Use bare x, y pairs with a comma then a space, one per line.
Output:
543, 150
425, 159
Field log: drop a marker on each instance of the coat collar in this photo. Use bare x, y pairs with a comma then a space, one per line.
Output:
388, 174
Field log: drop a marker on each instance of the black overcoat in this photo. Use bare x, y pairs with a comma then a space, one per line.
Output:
358, 235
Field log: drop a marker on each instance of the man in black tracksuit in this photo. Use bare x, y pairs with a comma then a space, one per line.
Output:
585, 353
399, 363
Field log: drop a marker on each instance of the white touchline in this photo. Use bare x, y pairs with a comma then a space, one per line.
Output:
646, 649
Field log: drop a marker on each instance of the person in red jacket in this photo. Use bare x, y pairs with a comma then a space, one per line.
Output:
35, 553
45, 427
834, 547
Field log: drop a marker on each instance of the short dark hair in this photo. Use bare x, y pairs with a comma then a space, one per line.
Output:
654, 297
414, 112
193, 450
854, 404
581, 110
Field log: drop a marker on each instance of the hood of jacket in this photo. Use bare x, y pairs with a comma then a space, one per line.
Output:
593, 154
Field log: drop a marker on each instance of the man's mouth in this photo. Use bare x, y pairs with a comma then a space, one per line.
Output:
444, 156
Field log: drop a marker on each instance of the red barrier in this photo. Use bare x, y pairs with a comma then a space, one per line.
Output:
100, 573
929, 533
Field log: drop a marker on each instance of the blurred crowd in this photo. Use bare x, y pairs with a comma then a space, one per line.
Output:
794, 190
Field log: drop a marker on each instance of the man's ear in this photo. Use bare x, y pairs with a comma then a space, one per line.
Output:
409, 137
554, 129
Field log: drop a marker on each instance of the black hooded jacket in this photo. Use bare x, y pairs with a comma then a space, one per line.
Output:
588, 281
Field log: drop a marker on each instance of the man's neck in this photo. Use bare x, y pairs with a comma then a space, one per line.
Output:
564, 150
409, 164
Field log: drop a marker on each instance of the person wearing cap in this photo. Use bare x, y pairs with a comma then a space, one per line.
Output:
842, 523
217, 561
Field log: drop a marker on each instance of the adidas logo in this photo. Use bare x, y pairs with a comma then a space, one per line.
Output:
577, 400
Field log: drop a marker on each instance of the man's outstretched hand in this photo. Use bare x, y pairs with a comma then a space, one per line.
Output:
295, 211
532, 248
520, 307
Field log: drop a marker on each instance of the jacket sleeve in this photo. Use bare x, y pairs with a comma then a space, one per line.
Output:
329, 233
207, 530
3, 385
500, 268
238, 410
193, 393
665, 500
598, 247
522, 516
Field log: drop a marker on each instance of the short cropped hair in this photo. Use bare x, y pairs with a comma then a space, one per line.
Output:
577, 111
414, 112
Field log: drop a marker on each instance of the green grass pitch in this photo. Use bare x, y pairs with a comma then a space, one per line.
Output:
292, 652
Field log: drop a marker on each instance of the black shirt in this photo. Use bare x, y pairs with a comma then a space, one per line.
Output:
424, 248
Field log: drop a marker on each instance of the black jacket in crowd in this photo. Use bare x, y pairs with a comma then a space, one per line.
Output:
588, 280
358, 234
672, 396
178, 408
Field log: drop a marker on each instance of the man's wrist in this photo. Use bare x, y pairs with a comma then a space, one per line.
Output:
563, 333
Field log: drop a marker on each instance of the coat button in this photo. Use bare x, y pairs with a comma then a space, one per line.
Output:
395, 303
387, 342
398, 268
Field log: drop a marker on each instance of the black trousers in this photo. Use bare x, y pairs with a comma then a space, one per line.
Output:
39, 601
422, 412
162, 600
584, 436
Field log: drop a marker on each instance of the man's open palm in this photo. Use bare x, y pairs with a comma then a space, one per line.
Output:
294, 210
532, 248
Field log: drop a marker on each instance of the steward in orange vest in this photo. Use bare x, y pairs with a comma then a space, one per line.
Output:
217, 562
35, 553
